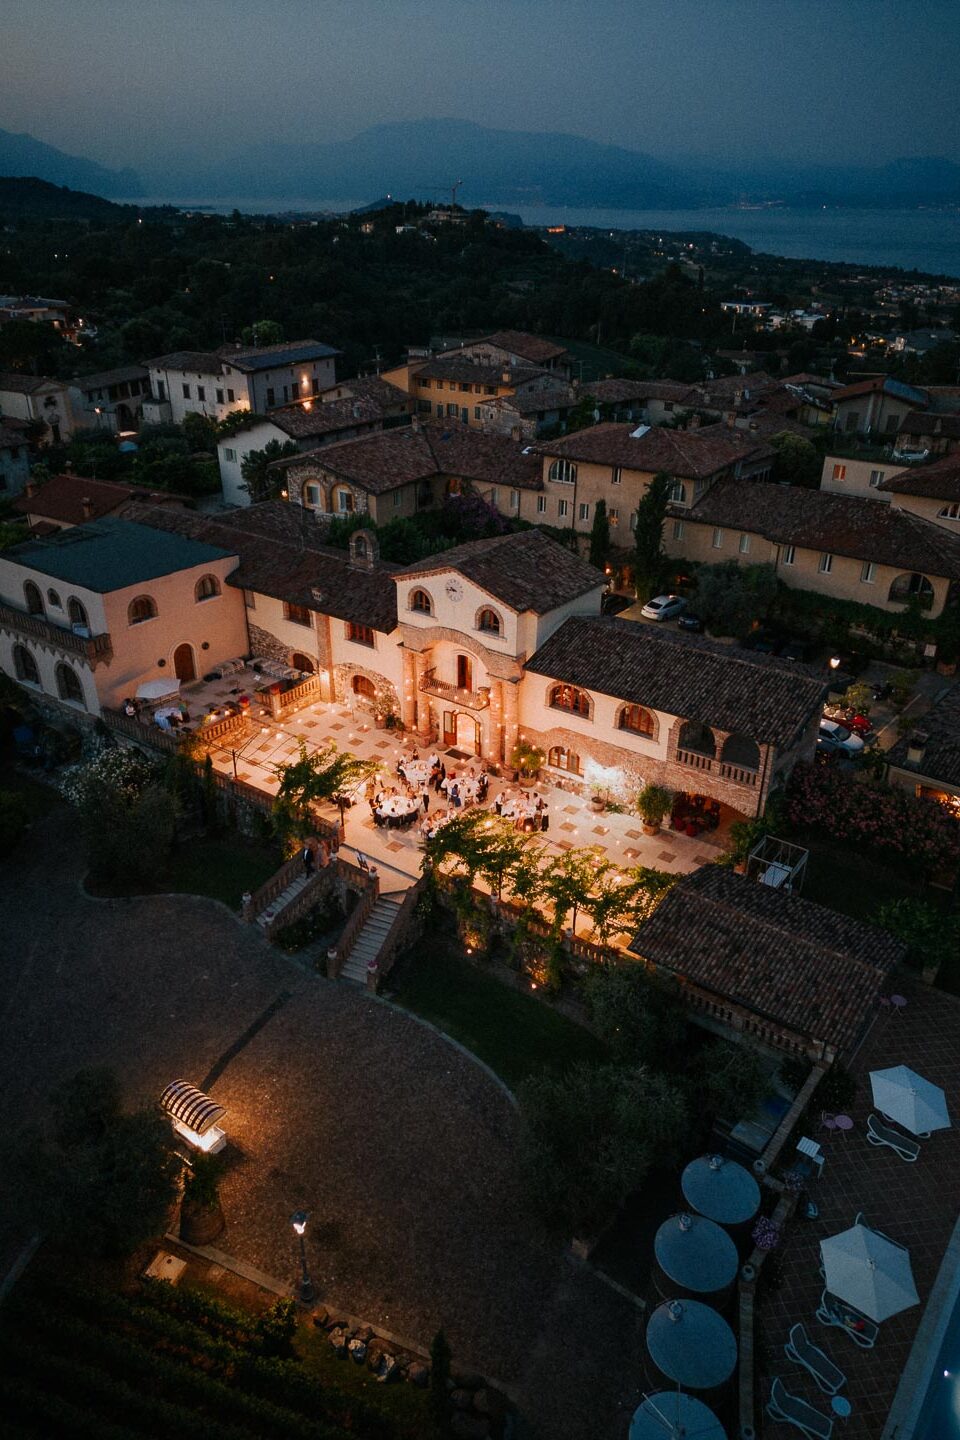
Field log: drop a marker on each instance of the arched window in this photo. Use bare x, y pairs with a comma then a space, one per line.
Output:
908, 587
68, 685
364, 687
143, 608
564, 471
31, 594
489, 621
568, 697
741, 750
302, 662
950, 512
637, 720
677, 493
207, 587
421, 602
563, 759
77, 612
53, 599
25, 665
698, 738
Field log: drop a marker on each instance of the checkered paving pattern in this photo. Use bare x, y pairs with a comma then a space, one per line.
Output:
914, 1204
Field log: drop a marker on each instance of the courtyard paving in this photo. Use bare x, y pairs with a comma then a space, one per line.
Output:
915, 1204
400, 1147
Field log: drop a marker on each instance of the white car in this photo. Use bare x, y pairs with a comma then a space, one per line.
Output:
836, 739
663, 607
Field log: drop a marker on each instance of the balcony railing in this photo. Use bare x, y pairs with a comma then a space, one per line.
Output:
469, 699
695, 760
95, 649
740, 774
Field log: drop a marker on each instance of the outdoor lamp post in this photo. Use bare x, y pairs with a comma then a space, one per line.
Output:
834, 662
299, 1223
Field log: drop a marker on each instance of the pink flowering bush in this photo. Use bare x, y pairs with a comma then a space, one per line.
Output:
892, 823
766, 1235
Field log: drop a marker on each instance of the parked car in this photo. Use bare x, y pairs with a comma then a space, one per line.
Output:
612, 603
688, 621
663, 607
850, 719
836, 739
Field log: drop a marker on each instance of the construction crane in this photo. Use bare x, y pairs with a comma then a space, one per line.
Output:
442, 190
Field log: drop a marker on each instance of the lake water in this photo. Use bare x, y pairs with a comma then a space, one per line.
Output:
927, 240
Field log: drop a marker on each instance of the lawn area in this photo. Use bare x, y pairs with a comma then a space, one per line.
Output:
222, 867
511, 1032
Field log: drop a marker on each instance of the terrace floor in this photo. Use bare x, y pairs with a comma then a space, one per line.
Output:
914, 1204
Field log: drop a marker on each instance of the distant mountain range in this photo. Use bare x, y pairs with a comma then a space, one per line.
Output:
422, 158
22, 155
27, 197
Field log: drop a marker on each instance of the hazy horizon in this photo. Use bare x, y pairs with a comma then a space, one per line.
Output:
716, 80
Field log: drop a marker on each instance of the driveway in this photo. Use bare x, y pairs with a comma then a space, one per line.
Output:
400, 1147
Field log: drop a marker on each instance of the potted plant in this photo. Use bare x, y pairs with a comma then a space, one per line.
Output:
526, 760
653, 802
201, 1217
600, 800
382, 714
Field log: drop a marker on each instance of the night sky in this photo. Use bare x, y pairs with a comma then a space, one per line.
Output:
131, 83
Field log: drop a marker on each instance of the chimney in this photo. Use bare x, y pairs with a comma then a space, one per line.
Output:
516, 433
30, 488
86, 506
916, 747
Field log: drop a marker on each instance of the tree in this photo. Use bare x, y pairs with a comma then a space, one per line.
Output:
262, 332
568, 880
590, 1135
128, 839
858, 696
797, 461
648, 560
600, 536
728, 1080
621, 900
326, 775
259, 482
96, 1180
639, 1018
200, 432
732, 598
932, 938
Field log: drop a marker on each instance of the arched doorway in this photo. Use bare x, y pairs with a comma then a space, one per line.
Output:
461, 732
302, 662
184, 666
464, 672
364, 687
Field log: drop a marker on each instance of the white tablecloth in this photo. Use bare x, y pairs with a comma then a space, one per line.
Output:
415, 772
518, 809
396, 806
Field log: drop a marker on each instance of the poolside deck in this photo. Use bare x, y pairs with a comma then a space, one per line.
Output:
915, 1204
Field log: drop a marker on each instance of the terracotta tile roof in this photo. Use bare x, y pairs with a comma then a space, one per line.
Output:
839, 524
886, 383
327, 418
369, 387
105, 378
800, 965
687, 675
526, 570
726, 388
617, 391
266, 357
198, 362
62, 497
461, 369
534, 348
692, 454
536, 398
941, 751
407, 453
19, 384
927, 422
940, 480
281, 554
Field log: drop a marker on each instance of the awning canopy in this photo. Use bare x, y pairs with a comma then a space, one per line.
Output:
158, 689
185, 1103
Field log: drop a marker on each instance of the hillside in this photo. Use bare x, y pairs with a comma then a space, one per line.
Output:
26, 197
23, 155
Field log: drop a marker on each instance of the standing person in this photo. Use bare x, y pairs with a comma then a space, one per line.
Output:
545, 818
425, 797
455, 800
308, 861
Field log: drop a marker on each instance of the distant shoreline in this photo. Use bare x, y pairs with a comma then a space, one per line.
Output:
923, 239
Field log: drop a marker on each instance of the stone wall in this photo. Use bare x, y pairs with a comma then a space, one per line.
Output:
265, 646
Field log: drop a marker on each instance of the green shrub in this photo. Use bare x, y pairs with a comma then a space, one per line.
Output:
14, 817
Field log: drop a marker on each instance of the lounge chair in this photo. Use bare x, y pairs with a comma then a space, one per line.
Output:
902, 1145
862, 1332
828, 1377
794, 1411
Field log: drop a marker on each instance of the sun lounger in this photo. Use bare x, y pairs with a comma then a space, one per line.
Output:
902, 1145
828, 1377
796, 1412
862, 1332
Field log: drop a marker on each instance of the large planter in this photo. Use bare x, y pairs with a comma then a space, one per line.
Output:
648, 828
598, 804
199, 1224
527, 781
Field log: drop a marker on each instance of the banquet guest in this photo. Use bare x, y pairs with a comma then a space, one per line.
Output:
498, 804
425, 797
455, 800
545, 818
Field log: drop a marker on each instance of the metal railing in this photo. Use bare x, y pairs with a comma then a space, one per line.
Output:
469, 699
95, 649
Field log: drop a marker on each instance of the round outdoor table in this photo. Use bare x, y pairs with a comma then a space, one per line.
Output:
691, 1344
899, 1002
671, 1413
720, 1189
695, 1253
843, 1122
841, 1406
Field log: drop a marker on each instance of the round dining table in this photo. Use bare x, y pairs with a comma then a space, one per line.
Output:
398, 807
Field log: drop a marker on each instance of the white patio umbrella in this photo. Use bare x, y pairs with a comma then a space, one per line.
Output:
909, 1100
158, 689
869, 1272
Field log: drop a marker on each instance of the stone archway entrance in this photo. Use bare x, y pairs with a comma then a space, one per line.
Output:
184, 665
461, 732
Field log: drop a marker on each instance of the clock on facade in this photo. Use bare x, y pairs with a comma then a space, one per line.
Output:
454, 590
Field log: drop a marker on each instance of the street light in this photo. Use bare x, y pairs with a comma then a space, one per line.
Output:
834, 662
299, 1223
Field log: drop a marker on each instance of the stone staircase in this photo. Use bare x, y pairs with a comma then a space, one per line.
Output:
369, 941
277, 906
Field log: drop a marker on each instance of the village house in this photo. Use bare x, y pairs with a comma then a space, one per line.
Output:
654, 402
214, 383
849, 547
399, 472
341, 413
534, 407
14, 460
927, 760
67, 500
927, 433
55, 407
931, 491
876, 406
616, 463
853, 475
455, 388
114, 399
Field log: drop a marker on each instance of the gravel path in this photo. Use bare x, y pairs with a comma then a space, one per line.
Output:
402, 1150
